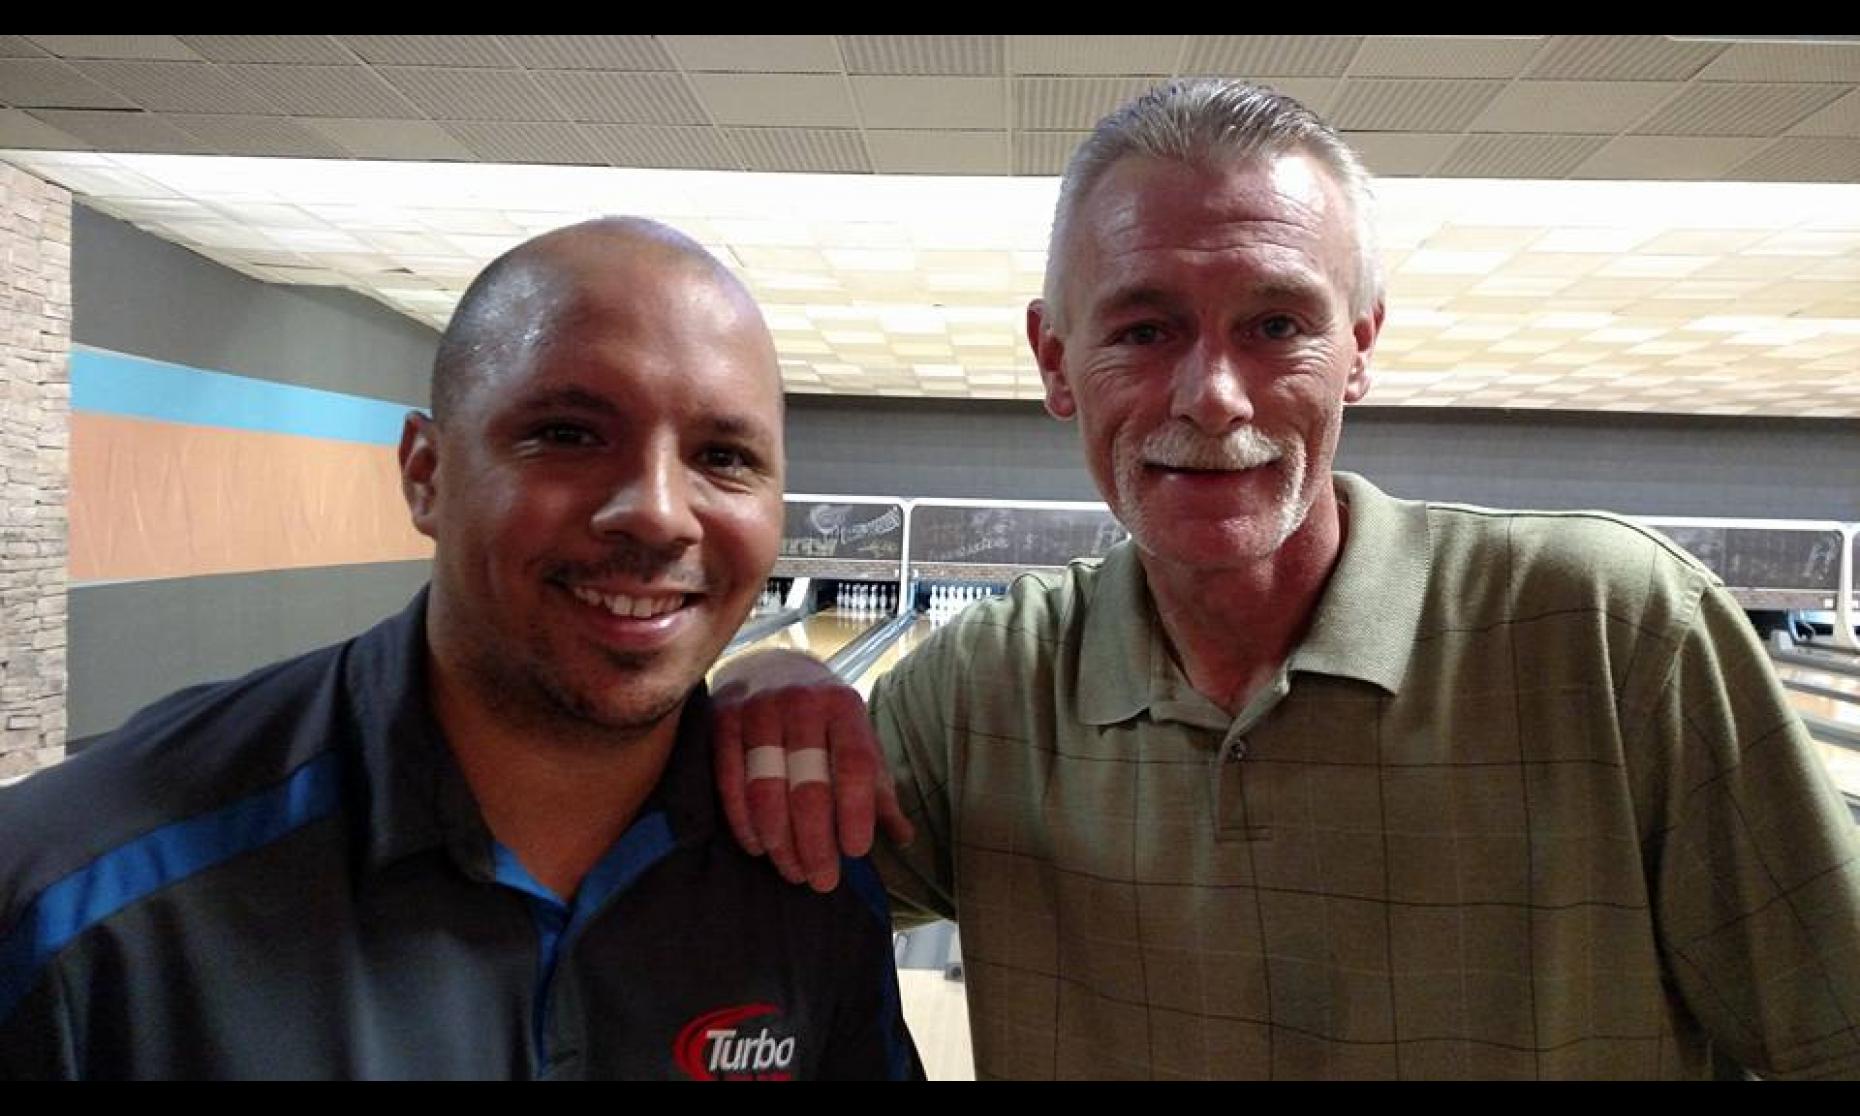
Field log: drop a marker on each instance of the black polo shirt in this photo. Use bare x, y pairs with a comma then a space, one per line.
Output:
286, 876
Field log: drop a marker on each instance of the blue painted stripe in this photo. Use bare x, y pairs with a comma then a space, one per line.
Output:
865, 883
104, 382
168, 855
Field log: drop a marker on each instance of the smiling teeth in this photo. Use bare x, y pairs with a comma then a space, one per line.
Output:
640, 608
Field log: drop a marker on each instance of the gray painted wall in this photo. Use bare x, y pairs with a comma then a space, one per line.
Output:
132, 642
137, 293
1637, 465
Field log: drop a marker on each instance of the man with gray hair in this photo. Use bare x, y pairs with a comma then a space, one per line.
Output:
1304, 780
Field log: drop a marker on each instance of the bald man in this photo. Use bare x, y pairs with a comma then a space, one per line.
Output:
479, 840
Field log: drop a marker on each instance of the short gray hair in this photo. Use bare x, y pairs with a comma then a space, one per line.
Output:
1206, 122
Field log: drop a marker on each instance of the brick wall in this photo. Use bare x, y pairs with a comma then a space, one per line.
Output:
35, 407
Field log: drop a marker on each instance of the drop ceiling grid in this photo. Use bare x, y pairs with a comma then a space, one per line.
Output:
1641, 295
478, 78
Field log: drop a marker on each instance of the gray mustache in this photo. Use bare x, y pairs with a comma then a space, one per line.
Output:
1177, 447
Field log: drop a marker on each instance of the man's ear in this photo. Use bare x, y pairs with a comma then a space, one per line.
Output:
419, 470
1365, 330
1049, 353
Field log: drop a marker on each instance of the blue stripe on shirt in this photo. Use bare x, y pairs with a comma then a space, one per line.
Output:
164, 856
865, 883
644, 844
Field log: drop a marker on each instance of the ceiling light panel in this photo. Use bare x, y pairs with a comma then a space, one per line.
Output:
1513, 293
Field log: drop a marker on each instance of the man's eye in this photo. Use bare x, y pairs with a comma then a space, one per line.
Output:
1143, 333
1279, 327
726, 459
564, 434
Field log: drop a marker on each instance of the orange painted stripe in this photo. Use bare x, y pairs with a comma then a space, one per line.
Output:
160, 499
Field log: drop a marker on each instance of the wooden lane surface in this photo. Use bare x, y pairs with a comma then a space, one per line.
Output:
1843, 764
899, 648
820, 635
1826, 679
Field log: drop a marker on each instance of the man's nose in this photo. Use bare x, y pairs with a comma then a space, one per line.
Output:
652, 503
1210, 389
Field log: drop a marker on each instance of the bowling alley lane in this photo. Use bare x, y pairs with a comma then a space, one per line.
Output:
1821, 679
899, 648
820, 634
1843, 763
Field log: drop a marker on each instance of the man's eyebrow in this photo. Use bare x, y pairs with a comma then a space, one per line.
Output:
736, 426
1141, 296
1145, 296
568, 399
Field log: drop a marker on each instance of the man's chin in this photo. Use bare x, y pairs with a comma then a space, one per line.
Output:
623, 709
1215, 543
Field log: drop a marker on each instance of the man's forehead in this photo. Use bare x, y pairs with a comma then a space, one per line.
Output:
1143, 204
1289, 184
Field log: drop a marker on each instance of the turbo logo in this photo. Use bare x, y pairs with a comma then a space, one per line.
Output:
717, 1046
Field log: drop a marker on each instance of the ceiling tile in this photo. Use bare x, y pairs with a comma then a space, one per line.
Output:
1572, 107
1406, 154
1840, 118
1736, 110
1621, 58
1837, 62
123, 131
1667, 157
1089, 55
429, 50
108, 179
455, 94
1044, 153
1401, 105
588, 52
161, 47
391, 139
938, 152
972, 55
1802, 159
17, 129
930, 102
644, 145
178, 86
1498, 156
1268, 56
504, 141
151, 210
49, 83
344, 91
800, 149
1054, 104
611, 98
310, 50
756, 54
1437, 56
256, 135
777, 100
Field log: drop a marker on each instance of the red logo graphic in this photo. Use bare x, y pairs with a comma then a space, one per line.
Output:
716, 1046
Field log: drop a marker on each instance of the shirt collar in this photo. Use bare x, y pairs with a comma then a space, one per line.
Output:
416, 797
1120, 648
1366, 620
1363, 627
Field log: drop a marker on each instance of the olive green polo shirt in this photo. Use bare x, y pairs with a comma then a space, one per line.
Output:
1525, 802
